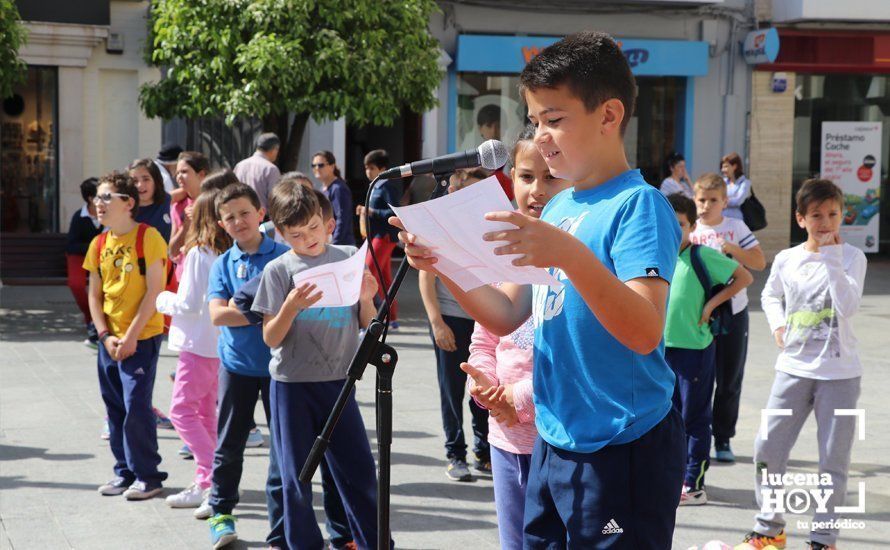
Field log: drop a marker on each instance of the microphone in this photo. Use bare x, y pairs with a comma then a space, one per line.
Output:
491, 155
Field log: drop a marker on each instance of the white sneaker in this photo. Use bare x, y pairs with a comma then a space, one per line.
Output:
204, 511
255, 438
192, 497
691, 497
141, 490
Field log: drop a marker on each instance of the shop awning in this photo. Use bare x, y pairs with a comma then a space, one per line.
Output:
483, 53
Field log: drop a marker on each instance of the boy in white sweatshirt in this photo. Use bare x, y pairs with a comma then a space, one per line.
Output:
818, 369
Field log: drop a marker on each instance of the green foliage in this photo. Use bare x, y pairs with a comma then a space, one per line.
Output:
12, 37
359, 59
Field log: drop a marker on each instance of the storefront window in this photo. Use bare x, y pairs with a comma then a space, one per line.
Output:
840, 98
29, 155
489, 107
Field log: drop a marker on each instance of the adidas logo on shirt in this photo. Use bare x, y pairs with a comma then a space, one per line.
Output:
139, 371
612, 528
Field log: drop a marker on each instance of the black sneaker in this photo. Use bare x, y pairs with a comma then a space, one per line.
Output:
458, 470
92, 340
482, 463
723, 452
115, 487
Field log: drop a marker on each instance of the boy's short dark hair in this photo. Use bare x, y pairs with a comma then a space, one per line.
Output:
122, 183
683, 205
88, 189
219, 179
327, 209
378, 158
238, 191
816, 191
490, 114
291, 205
591, 65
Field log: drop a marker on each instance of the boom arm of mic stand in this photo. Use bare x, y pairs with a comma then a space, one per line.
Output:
372, 350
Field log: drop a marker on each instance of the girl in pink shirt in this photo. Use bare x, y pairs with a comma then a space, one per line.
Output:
191, 169
500, 369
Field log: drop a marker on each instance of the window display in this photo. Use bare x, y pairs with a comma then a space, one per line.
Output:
490, 107
29, 155
842, 98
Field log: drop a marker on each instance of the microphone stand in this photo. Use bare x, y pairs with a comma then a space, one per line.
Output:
373, 350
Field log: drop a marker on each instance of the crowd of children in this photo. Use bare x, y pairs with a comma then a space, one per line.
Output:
591, 400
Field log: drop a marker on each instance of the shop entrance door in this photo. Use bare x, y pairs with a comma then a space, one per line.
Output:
31, 247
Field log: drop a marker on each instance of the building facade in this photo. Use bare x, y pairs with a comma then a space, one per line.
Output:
822, 107
77, 115
693, 88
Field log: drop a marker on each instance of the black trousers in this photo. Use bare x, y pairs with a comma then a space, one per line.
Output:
732, 351
452, 389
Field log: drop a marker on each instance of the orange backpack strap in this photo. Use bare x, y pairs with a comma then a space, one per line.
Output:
100, 248
140, 248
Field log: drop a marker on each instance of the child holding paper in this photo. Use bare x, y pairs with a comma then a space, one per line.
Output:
311, 348
337, 525
609, 439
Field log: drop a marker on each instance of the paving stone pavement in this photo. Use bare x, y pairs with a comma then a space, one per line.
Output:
52, 459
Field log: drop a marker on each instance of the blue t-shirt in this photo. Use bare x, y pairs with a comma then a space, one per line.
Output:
157, 215
241, 349
589, 389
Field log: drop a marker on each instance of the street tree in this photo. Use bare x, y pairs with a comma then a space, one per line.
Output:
12, 37
283, 61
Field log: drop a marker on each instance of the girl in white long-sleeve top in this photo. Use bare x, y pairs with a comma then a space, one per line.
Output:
192, 334
812, 293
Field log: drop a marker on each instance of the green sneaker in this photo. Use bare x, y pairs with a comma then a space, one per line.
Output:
222, 530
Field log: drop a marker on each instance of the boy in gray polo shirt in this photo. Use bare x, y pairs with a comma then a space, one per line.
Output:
311, 349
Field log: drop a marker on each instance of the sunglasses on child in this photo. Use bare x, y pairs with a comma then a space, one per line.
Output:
319, 165
106, 197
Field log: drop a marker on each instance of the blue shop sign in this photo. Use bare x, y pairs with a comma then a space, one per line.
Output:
482, 53
761, 46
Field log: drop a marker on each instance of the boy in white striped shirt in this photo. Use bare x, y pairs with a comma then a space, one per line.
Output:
732, 237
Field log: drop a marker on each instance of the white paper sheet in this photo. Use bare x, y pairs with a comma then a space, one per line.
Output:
340, 282
453, 226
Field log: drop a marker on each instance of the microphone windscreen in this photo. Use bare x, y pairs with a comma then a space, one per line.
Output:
492, 154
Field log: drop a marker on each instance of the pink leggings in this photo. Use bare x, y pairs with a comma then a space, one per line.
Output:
193, 410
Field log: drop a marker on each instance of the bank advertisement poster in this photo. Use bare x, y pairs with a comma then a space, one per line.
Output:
851, 158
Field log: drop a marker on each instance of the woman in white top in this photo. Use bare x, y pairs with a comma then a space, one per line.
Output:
678, 180
738, 187
192, 334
